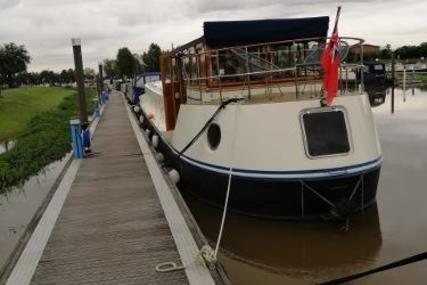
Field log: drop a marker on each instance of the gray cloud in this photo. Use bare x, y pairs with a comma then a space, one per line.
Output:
46, 26
4, 4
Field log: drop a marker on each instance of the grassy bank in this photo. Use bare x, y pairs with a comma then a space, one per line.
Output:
423, 78
18, 106
46, 136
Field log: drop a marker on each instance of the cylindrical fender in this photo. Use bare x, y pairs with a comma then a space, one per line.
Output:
174, 175
155, 140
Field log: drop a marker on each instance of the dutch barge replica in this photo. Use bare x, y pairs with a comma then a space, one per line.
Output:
245, 102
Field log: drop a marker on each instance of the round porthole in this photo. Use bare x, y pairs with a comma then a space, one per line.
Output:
214, 136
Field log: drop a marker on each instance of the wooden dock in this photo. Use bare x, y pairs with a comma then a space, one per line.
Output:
112, 228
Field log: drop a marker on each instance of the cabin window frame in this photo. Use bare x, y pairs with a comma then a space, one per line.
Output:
320, 110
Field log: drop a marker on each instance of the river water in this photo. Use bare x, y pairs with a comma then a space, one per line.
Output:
257, 251
18, 206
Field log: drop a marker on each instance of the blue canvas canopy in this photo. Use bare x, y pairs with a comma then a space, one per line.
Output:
237, 33
233, 33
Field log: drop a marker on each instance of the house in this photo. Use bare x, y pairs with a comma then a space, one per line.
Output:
369, 50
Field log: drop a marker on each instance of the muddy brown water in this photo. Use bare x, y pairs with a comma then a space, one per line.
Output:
19, 205
258, 251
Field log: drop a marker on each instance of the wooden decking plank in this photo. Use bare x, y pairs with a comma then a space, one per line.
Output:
112, 228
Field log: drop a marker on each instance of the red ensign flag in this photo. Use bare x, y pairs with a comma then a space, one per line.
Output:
330, 63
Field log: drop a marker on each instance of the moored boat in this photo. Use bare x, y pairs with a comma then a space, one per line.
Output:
245, 102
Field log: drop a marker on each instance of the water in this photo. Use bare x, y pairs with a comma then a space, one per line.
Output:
18, 206
257, 251
6, 146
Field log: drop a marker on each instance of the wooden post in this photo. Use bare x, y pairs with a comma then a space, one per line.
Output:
393, 84
101, 77
78, 63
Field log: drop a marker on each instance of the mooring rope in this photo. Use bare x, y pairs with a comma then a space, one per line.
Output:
209, 256
224, 213
402, 262
227, 195
206, 125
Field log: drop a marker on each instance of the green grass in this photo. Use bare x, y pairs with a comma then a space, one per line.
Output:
422, 77
46, 138
18, 106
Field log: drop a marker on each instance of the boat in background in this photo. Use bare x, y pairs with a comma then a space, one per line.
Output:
244, 103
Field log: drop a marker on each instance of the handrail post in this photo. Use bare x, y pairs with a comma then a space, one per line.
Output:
248, 71
198, 76
362, 80
219, 75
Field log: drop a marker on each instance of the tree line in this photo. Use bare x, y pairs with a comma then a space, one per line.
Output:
404, 52
126, 63
14, 60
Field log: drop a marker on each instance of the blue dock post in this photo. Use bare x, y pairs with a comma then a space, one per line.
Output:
103, 97
106, 96
96, 105
76, 138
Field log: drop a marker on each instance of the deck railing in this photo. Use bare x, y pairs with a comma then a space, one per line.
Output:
267, 69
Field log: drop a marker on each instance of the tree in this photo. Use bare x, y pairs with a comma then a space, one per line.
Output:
151, 58
126, 62
386, 52
89, 73
139, 62
110, 68
49, 77
13, 60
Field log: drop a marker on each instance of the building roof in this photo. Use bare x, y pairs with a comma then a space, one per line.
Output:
365, 45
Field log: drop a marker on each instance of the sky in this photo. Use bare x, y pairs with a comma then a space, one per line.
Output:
46, 27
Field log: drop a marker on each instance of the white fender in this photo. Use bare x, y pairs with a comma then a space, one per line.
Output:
174, 175
155, 140
160, 157
147, 132
136, 109
141, 119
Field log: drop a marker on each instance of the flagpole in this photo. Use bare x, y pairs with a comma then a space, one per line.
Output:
330, 63
337, 18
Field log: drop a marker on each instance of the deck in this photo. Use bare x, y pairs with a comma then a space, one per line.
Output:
112, 228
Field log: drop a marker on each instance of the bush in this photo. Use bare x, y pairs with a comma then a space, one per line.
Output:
47, 140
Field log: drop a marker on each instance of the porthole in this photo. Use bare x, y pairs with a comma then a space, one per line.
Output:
214, 136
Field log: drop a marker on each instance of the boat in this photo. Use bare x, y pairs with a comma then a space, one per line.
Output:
374, 73
138, 85
244, 104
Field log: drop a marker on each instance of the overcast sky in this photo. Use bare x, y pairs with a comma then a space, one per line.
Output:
45, 27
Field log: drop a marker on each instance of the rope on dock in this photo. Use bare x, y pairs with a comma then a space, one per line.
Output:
168, 267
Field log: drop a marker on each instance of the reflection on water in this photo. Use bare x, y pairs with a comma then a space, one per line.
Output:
18, 206
256, 251
376, 94
290, 251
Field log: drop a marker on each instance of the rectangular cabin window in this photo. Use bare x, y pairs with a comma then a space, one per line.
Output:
325, 133
378, 67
